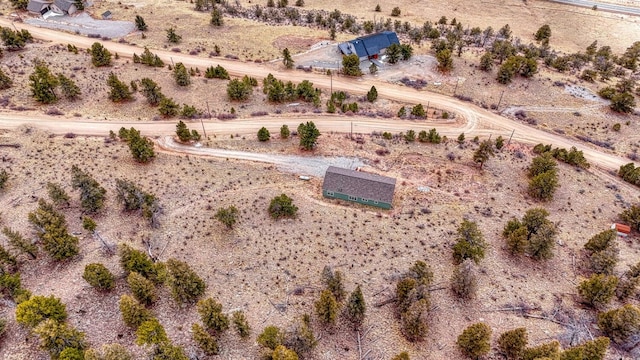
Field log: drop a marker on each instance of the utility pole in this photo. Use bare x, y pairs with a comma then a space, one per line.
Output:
456, 88
499, 101
331, 75
351, 134
509, 142
427, 110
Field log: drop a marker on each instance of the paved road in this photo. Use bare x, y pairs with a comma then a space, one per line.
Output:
630, 10
470, 119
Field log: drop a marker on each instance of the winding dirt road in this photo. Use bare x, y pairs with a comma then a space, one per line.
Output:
471, 119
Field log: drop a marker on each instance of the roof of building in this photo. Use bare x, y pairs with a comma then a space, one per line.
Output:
369, 45
37, 5
360, 184
106, 14
64, 5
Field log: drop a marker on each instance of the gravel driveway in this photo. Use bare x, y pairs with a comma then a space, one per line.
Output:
85, 25
300, 165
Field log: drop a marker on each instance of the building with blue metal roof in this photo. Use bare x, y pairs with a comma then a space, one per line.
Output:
370, 46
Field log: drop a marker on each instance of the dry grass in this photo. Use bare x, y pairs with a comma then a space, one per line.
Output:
261, 262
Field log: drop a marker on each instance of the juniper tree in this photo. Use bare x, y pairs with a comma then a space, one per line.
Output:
282, 207
327, 308
470, 243
92, 195
216, 17
186, 285
143, 289
549, 350
109, 352
332, 281
534, 235
205, 341
227, 216
238, 90
241, 324
133, 314
621, 325
598, 290
212, 316
39, 308
151, 332
271, 337
513, 342
98, 276
140, 146
475, 340
136, 260
57, 336
218, 73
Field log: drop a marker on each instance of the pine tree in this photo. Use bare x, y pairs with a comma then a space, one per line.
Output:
464, 282
470, 243
356, 308
5, 80
172, 37
57, 194
372, 95
181, 75
483, 153
284, 132
151, 91
18, 242
186, 285
119, 90
282, 207
7, 259
69, 88
183, 131
287, 60
598, 290
140, 24
263, 134
100, 56
216, 17
52, 230
308, 133
43, 83
168, 107
92, 195
271, 337
138, 261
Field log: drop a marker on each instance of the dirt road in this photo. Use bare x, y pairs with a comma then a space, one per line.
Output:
477, 121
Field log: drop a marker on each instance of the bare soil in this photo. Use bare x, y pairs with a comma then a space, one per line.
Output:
257, 266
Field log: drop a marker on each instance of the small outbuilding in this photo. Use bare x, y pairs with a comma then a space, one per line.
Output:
357, 186
107, 15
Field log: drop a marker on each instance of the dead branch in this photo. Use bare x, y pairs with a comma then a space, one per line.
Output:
385, 302
10, 145
110, 249
545, 318
515, 308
